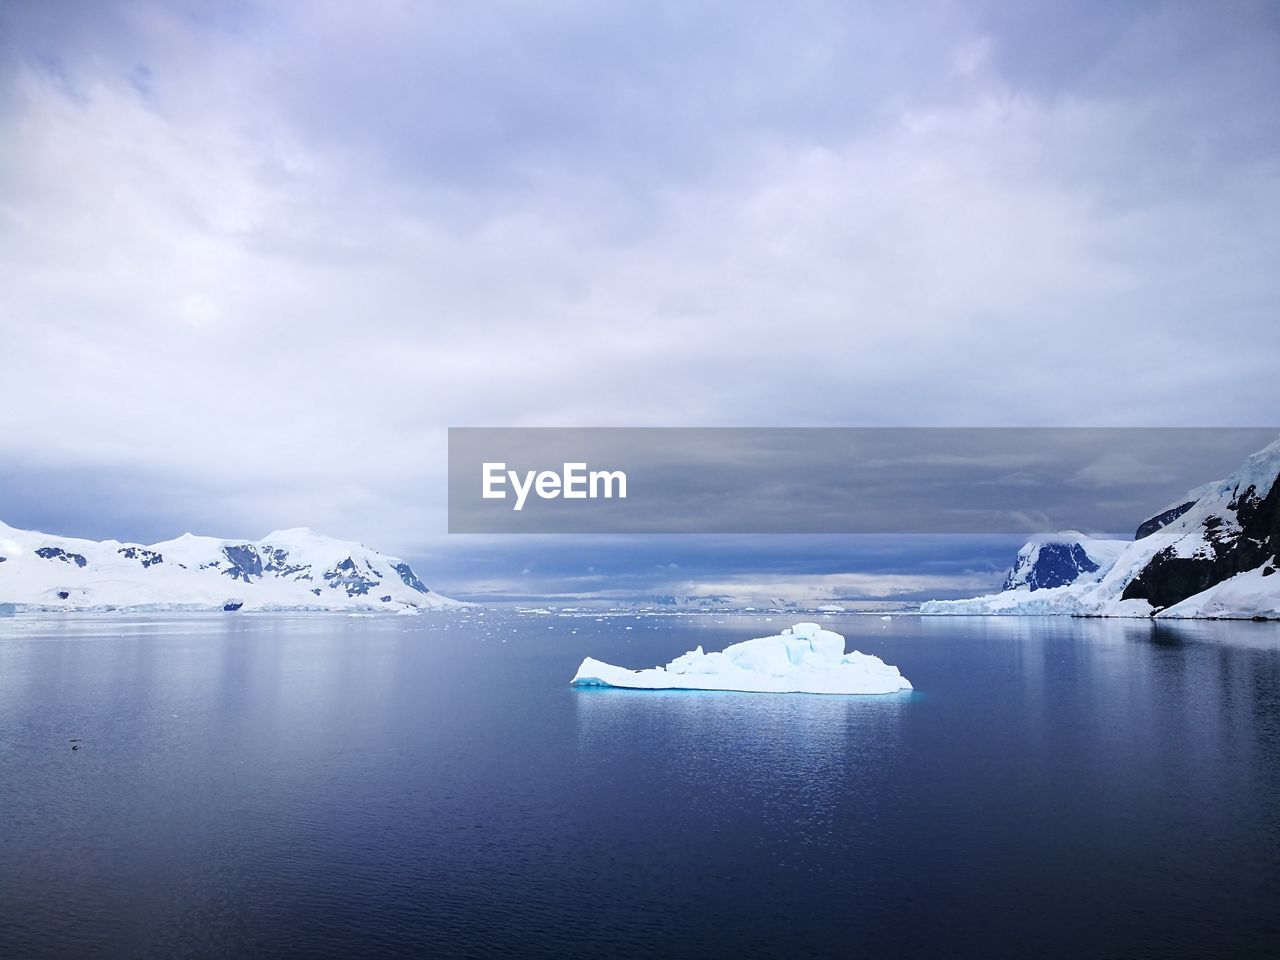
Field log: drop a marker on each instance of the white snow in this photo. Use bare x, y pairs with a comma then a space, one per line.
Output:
286, 570
1244, 596
802, 659
1103, 553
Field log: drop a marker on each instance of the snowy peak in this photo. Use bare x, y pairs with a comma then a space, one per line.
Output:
1060, 559
288, 569
1245, 488
1258, 473
1230, 527
1213, 553
294, 535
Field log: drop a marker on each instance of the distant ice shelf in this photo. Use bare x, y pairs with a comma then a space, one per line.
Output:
802, 659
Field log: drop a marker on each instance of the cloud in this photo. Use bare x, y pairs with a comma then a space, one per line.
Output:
851, 586
267, 253
969, 56
740, 566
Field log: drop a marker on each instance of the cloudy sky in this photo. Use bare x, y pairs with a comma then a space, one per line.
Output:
256, 258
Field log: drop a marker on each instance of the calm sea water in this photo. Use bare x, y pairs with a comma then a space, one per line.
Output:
321, 786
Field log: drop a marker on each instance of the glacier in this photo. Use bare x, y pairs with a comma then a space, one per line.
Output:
295, 569
804, 658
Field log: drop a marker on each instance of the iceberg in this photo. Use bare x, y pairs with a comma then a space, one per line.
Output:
801, 659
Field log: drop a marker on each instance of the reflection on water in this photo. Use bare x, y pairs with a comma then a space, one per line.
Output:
332, 786
795, 758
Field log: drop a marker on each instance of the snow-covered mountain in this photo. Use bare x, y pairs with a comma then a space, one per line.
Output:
1056, 560
664, 601
1210, 554
285, 570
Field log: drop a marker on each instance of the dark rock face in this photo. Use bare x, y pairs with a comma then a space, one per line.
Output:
245, 562
57, 553
1168, 578
670, 600
231, 606
144, 556
1148, 527
346, 575
410, 578
277, 562
1056, 565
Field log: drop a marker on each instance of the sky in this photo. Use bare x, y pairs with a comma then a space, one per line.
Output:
256, 258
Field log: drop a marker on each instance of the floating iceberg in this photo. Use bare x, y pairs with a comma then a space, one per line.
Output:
802, 659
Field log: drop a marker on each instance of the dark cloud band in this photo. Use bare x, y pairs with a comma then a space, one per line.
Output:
828, 480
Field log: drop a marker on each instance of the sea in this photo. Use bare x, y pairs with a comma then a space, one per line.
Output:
323, 785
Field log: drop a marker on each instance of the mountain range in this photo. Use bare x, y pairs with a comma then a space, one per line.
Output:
286, 570
1210, 554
